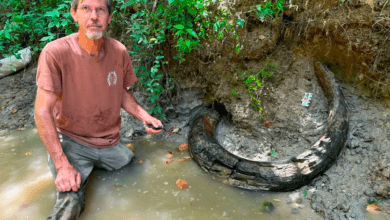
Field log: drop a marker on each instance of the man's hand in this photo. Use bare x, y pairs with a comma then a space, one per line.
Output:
130, 105
68, 179
155, 122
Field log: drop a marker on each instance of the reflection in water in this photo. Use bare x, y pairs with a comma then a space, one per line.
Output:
144, 190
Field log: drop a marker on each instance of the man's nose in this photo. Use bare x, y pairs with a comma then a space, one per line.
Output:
94, 15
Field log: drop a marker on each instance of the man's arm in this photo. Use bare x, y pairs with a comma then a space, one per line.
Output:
130, 105
67, 177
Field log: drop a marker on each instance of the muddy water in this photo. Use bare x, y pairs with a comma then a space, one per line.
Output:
144, 190
26, 184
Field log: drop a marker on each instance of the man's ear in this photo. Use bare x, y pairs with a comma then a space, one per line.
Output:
109, 18
73, 13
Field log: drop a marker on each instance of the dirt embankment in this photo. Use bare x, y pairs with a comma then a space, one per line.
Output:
351, 38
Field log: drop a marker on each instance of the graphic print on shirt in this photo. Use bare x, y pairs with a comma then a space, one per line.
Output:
112, 78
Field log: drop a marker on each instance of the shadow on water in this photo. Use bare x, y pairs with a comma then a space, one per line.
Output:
144, 190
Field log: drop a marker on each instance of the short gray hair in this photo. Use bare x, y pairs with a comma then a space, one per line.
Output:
74, 5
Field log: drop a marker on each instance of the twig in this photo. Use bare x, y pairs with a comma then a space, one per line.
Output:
154, 5
204, 62
375, 80
384, 7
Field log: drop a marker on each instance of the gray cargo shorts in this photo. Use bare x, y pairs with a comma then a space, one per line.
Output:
83, 158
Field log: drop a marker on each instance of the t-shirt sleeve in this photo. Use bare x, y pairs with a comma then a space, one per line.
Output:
49, 72
129, 75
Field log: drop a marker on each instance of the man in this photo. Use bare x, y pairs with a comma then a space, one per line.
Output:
82, 84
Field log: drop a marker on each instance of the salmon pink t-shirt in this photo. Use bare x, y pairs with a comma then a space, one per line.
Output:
89, 89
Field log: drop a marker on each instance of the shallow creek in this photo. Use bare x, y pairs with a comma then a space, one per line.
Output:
144, 190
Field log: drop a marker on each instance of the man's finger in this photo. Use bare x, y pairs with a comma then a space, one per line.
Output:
67, 186
154, 127
72, 182
60, 186
149, 130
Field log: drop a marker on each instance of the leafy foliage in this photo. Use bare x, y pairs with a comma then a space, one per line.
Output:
268, 10
151, 26
181, 24
43, 22
252, 81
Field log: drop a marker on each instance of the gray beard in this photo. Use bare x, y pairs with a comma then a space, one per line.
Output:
95, 36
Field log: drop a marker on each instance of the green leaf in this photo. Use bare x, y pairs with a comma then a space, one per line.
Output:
372, 201
7, 35
179, 32
192, 33
55, 23
216, 26
238, 48
273, 152
179, 26
192, 11
241, 22
47, 38
188, 43
125, 5
200, 5
53, 13
305, 192
170, 1
64, 23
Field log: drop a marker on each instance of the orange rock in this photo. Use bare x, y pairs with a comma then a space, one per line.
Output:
268, 124
183, 146
14, 111
169, 161
169, 155
373, 208
140, 161
130, 146
182, 184
27, 153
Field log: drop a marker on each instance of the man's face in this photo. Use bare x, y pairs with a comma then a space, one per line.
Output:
92, 17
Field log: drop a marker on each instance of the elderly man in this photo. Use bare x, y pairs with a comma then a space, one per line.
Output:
82, 85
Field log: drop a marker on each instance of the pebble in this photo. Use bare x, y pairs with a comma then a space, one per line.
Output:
386, 172
383, 190
314, 206
294, 211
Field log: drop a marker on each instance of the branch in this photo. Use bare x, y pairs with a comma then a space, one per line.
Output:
154, 5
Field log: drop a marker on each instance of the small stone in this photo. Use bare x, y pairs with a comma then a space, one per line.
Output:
294, 211
386, 172
358, 161
344, 207
314, 206
369, 192
298, 201
268, 207
383, 190
129, 133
